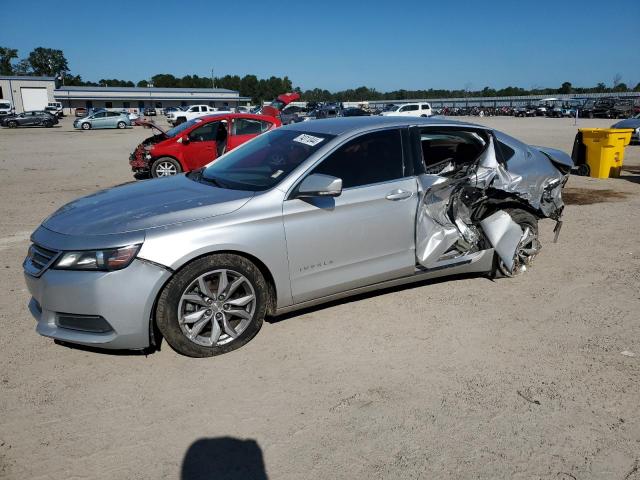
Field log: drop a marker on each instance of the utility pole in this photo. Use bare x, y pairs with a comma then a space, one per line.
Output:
213, 83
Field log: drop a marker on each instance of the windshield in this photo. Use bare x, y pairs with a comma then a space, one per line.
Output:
389, 108
178, 129
5, 105
264, 161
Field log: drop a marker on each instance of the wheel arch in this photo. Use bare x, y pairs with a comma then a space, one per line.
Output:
154, 333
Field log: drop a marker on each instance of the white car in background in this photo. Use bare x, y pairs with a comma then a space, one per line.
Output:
194, 111
409, 110
6, 107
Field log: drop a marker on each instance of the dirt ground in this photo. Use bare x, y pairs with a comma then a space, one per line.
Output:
462, 378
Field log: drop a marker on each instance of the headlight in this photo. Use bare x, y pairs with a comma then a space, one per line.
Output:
108, 259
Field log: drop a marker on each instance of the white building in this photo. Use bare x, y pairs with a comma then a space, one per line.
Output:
33, 93
138, 98
27, 93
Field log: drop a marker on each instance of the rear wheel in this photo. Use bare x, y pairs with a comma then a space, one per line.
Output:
214, 305
121, 125
165, 167
529, 245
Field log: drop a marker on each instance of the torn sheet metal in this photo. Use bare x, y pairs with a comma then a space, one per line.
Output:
435, 233
504, 234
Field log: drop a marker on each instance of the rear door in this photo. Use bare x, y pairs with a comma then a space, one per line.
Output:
363, 236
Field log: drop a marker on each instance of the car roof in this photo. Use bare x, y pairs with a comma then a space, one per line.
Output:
254, 116
343, 125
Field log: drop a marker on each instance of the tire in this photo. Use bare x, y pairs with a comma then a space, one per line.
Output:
165, 167
583, 170
180, 121
209, 338
528, 250
47, 124
121, 125
12, 124
86, 126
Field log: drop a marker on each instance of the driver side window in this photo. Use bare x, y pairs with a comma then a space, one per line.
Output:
371, 158
205, 133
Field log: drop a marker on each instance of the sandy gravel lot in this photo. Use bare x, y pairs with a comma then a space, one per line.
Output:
464, 378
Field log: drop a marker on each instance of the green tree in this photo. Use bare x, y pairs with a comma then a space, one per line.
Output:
23, 67
6, 56
565, 88
142, 83
621, 87
637, 88
47, 61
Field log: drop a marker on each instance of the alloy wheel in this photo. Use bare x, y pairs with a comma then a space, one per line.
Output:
216, 307
166, 169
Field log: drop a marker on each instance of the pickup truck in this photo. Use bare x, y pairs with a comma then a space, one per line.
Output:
194, 111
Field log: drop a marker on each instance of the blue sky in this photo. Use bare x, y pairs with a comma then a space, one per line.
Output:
340, 44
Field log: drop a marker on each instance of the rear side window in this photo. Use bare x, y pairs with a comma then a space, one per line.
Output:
371, 158
409, 108
446, 152
247, 126
425, 106
505, 150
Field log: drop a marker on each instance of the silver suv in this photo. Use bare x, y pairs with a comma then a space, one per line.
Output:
298, 216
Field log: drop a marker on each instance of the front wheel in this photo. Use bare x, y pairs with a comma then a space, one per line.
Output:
121, 125
12, 124
86, 126
47, 124
212, 306
529, 245
165, 167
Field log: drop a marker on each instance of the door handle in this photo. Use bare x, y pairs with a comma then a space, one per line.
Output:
398, 195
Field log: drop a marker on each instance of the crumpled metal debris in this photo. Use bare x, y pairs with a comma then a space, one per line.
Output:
444, 220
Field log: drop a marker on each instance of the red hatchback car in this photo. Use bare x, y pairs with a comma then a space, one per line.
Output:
196, 143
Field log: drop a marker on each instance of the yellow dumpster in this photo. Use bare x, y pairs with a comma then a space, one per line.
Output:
605, 150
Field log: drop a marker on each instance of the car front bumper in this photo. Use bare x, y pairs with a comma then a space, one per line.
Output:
124, 299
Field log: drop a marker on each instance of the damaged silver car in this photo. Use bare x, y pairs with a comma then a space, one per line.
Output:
301, 215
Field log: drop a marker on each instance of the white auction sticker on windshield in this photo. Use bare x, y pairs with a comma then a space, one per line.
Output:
308, 139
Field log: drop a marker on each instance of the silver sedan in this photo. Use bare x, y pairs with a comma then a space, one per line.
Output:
301, 215
103, 119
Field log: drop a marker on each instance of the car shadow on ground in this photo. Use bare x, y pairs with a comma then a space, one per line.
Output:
375, 293
223, 458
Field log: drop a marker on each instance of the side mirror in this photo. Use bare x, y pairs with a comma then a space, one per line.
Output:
184, 139
319, 185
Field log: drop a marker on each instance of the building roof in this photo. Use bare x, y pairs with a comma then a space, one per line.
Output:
26, 78
145, 89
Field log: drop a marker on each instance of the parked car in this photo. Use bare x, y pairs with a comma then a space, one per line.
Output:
195, 143
55, 109
354, 112
6, 108
304, 214
132, 116
528, 111
634, 123
168, 110
292, 114
31, 118
409, 110
194, 111
81, 112
150, 112
103, 119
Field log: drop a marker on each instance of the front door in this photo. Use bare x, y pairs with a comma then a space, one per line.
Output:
363, 236
201, 148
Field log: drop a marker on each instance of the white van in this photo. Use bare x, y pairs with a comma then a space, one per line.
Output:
6, 107
409, 110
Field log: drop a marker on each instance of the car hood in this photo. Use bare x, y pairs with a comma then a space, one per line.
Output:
143, 205
152, 126
628, 123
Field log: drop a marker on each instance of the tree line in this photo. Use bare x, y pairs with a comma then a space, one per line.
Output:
51, 62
